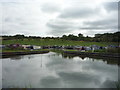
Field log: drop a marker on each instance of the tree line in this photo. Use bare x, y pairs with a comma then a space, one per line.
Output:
106, 37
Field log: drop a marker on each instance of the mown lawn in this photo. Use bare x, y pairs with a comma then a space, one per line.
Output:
42, 42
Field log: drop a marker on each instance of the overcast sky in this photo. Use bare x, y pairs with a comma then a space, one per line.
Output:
58, 17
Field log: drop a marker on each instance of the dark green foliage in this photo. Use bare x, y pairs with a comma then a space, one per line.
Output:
113, 50
106, 37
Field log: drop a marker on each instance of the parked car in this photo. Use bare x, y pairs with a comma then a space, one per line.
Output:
36, 47
14, 46
2, 46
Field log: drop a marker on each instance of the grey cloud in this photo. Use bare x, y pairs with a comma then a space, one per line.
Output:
60, 27
111, 6
13, 32
101, 24
99, 27
19, 21
59, 32
8, 19
5, 32
93, 28
78, 12
15, 29
50, 8
28, 18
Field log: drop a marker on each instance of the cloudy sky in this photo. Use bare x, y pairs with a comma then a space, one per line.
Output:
58, 17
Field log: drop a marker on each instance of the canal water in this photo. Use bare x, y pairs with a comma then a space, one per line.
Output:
53, 70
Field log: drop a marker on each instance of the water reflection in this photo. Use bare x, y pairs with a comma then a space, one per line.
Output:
105, 59
16, 57
55, 70
0, 74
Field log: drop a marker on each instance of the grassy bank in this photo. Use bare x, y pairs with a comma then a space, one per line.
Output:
9, 53
13, 50
42, 42
110, 50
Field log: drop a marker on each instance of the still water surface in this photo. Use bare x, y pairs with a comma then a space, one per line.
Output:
52, 70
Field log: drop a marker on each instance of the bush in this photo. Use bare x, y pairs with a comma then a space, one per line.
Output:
113, 50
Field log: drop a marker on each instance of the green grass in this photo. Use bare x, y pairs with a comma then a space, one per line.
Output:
42, 42
14, 50
70, 50
112, 50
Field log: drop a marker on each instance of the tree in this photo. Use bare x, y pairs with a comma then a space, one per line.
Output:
18, 36
64, 37
80, 37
